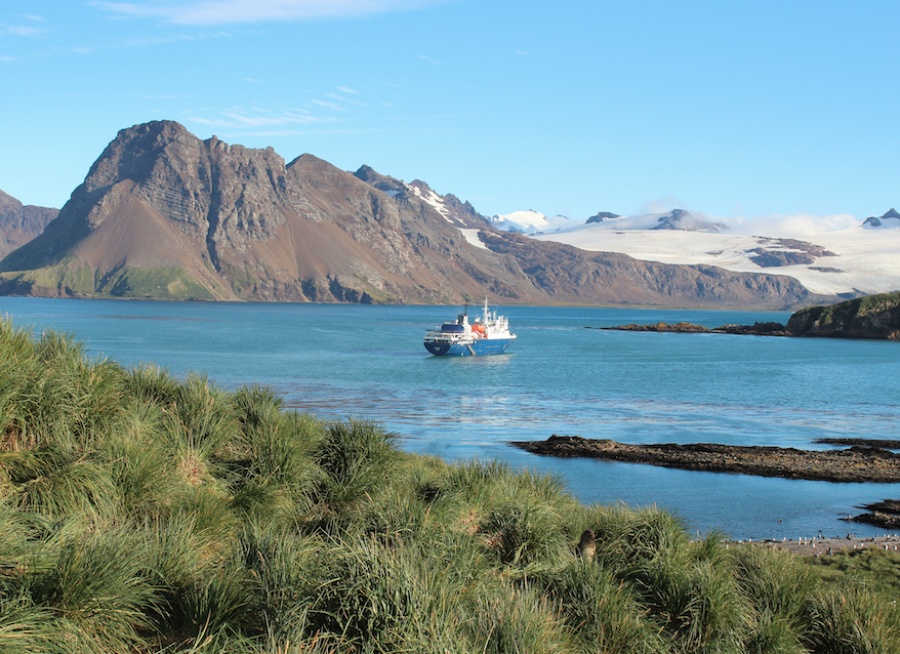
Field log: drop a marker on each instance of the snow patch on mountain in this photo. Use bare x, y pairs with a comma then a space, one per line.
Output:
433, 199
676, 219
827, 260
471, 235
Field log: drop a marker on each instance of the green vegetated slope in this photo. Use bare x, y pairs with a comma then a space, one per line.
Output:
872, 316
71, 277
140, 513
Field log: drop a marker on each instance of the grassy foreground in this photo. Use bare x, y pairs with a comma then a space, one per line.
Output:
139, 513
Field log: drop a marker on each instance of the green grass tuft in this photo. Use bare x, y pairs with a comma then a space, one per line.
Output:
141, 513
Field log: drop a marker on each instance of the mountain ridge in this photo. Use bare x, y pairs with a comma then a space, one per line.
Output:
162, 214
20, 223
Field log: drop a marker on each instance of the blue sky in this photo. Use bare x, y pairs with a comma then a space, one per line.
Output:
729, 108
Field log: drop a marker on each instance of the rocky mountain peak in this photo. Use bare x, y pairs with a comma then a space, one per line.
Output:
391, 186
8, 202
680, 219
891, 215
165, 215
600, 216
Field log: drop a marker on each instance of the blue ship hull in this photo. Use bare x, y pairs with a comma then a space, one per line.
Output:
479, 347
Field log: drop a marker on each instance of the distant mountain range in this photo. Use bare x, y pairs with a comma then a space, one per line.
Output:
163, 214
859, 258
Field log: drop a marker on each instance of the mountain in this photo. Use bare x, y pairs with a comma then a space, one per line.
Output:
533, 222
854, 259
20, 223
458, 213
675, 220
890, 219
162, 214
601, 216
679, 219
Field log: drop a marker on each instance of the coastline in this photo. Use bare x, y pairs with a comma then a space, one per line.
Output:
820, 545
856, 464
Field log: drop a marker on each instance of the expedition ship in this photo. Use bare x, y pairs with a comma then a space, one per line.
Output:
489, 334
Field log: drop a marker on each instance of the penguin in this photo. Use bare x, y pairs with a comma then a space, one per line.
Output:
587, 546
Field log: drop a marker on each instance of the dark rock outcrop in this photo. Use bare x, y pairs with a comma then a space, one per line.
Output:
681, 220
601, 216
779, 252
890, 219
774, 258
855, 464
757, 329
679, 328
873, 316
884, 514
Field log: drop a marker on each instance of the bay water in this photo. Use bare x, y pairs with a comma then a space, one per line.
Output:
560, 376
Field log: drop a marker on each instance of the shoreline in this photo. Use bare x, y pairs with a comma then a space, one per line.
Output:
820, 545
856, 464
863, 462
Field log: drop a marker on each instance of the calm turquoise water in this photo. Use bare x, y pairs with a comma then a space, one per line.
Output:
557, 378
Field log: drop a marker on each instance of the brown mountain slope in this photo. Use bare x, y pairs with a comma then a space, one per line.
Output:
163, 214
20, 223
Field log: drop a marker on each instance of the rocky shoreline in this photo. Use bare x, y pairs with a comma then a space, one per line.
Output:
885, 513
873, 316
858, 463
823, 545
756, 329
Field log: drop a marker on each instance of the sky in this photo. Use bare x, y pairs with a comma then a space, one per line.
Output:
749, 110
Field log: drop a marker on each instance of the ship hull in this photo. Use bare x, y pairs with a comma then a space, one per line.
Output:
479, 347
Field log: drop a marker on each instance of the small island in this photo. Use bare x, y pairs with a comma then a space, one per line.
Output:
858, 463
872, 316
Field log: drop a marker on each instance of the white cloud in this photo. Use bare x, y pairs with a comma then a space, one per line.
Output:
774, 225
220, 12
19, 30
340, 98
145, 96
329, 105
241, 119
662, 205
292, 132
430, 60
345, 89
797, 226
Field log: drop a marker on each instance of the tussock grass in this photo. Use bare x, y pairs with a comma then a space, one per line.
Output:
141, 513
